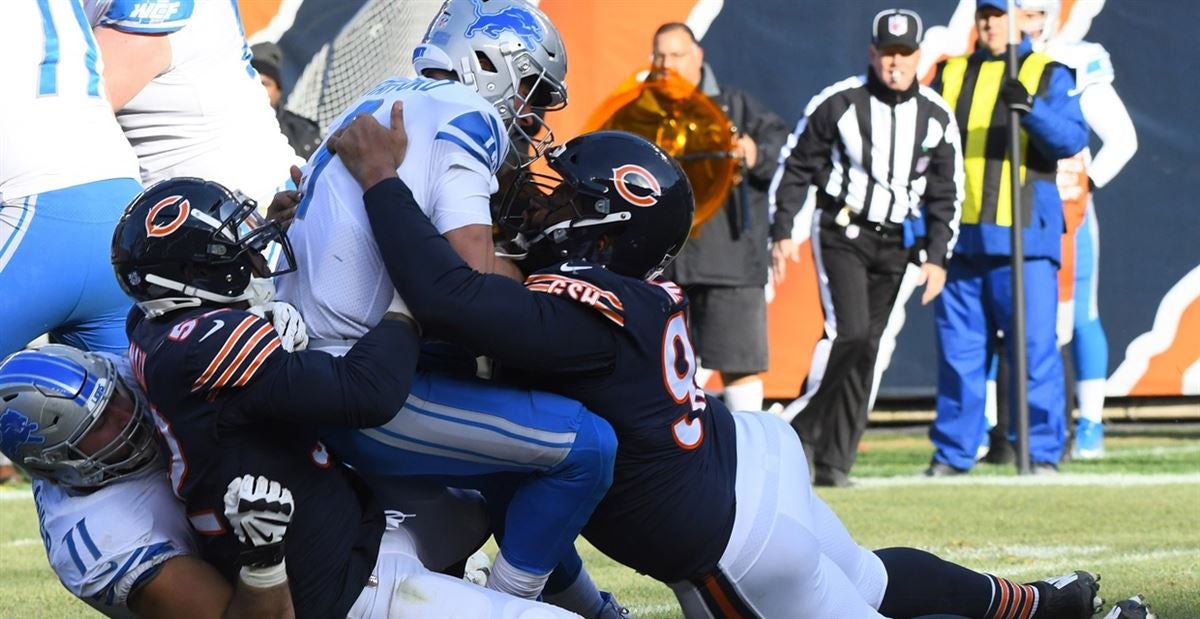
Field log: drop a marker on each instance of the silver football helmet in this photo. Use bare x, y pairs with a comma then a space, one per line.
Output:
51, 398
1048, 26
510, 53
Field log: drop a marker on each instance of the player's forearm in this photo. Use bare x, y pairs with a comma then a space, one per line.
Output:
1107, 116
260, 602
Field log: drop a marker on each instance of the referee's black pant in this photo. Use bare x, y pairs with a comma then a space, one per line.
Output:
860, 267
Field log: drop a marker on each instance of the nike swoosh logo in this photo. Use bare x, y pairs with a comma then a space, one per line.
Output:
566, 268
218, 324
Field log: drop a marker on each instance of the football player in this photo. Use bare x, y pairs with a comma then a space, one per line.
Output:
115, 535
229, 402
65, 176
178, 76
593, 323
487, 70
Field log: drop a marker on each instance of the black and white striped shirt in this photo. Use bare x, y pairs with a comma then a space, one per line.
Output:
880, 152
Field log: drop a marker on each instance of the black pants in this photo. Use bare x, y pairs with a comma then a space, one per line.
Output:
860, 270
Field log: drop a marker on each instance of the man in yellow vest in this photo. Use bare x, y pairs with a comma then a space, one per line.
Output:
977, 300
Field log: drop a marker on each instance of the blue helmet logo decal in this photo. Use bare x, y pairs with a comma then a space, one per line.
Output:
17, 430
513, 19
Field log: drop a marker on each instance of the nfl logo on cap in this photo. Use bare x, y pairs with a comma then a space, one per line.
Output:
897, 25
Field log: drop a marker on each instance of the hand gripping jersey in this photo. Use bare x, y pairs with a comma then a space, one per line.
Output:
207, 115
56, 124
456, 143
228, 401
617, 345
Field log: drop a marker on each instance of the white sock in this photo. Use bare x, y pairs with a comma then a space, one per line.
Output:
581, 598
1090, 395
989, 406
747, 396
506, 578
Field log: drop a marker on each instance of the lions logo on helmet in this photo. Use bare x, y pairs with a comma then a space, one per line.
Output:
513, 19
17, 430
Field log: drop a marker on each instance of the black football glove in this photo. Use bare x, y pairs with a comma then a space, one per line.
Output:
1014, 95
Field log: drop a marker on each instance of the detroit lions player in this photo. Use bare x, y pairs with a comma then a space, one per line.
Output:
592, 323
179, 78
65, 175
1078, 178
488, 66
114, 534
228, 401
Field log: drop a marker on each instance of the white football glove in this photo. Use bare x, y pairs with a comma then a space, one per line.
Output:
259, 510
293, 333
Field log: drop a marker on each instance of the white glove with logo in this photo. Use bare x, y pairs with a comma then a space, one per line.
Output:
293, 333
259, 511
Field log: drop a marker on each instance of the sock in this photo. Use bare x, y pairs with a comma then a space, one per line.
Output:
1090, 395
580, 597
507, 578
747, 396
920, 583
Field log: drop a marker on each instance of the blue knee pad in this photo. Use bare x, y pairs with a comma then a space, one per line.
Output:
55, 269
555, 456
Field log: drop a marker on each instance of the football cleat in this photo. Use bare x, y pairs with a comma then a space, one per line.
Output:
611, 608
1071, 596
1089, 440
1133, 608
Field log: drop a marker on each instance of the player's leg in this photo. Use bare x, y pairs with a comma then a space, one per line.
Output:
964, 332
730, 334
1089, 345
773, 565
401, 587
466, 430
54, 260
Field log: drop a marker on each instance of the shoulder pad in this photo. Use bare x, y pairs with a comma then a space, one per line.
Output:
1089, 61
148, 16
582, 282
224, 348
479, 134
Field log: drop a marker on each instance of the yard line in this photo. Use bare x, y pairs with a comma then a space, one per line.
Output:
25, 541
16, 495
1062, 479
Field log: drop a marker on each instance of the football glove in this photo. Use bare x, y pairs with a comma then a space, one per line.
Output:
293, 333
259, 511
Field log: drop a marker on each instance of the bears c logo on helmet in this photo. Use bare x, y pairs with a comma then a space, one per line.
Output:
636, 185
163, 229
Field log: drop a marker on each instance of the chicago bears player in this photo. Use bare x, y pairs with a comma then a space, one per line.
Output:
179, 78
58, 203
114, 534
229, 402
488, 68
592, 323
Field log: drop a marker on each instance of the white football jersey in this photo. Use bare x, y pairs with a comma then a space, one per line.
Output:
105, 544
456, 142
1090, 61
56, 126
208, 115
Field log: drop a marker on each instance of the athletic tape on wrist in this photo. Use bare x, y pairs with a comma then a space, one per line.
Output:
264, 577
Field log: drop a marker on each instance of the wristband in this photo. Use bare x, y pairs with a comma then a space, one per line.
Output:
264, 577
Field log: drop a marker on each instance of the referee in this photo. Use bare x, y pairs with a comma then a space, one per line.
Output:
877, 147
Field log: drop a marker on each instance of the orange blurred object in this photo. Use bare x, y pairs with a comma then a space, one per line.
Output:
671, 112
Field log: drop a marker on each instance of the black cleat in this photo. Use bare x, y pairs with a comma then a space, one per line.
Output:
1072, 596
1133, 608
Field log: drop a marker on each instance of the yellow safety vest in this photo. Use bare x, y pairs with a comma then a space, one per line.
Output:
971, 86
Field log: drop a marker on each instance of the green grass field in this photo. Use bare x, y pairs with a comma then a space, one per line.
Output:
1133, 517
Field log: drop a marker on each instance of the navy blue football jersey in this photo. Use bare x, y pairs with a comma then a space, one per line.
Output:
229, 401
617, 345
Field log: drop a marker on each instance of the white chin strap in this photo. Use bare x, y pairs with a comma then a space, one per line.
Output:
193, 297
576, 223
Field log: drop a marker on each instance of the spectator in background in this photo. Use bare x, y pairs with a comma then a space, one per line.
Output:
724, 269
877, 147
978, 297
303, 134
